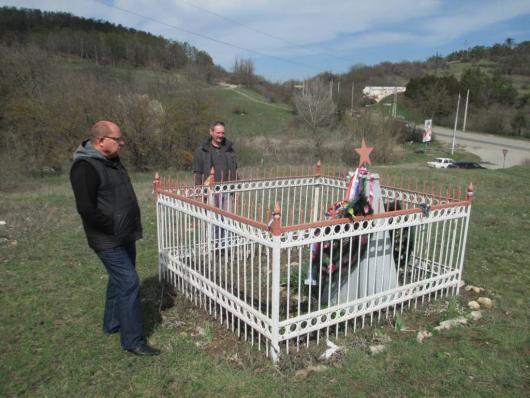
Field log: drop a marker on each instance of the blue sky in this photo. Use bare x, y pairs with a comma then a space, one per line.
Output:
297, 39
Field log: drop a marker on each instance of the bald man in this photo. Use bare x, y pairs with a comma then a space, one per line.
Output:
108, 207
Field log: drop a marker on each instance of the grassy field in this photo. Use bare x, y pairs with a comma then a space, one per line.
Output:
52, 291
246, 118
520, 82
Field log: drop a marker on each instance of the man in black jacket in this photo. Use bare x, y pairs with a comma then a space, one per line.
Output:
217, 152
106, 201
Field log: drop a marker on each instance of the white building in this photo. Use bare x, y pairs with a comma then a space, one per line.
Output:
378, 93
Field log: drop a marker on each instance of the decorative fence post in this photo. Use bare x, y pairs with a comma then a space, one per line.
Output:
156, 183
469, 198
159, 229
275, 310
210, 182
316, 196
470, 192
210, 199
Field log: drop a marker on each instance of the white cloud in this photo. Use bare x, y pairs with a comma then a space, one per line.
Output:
296, 28
310, 22
471, 17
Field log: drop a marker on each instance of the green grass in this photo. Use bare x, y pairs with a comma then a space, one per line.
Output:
263, 132
458, 68
417, 152
521, 83
253, 119
52, 291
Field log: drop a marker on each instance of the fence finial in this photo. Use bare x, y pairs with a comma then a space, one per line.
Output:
276, 222
156, 182
211, 179
470, 192
318, 169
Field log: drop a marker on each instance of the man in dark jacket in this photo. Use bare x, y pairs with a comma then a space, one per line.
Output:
217, 152
106, 201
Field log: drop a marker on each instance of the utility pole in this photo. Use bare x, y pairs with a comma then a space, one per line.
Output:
504, 152
465, 112
456, 122
331, 89
338, 88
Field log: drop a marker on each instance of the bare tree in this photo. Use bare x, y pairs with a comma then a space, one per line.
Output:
316, 109
140, 116
244, 71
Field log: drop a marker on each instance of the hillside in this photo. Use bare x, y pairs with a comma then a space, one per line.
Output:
498, 78
102, 42
60, 73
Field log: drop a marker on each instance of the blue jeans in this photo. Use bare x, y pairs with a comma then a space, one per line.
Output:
122, 306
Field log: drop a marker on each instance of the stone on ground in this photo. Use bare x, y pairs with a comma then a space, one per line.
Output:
303, 373
422, 335
486, 302
450, 323
475, 315
376, 349
332, 350
473, 305
474, 289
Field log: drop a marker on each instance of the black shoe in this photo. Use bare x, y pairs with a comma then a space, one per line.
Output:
144, 350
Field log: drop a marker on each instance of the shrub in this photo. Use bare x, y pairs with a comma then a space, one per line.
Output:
380, 131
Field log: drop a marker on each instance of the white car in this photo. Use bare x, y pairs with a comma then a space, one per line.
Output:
440, 163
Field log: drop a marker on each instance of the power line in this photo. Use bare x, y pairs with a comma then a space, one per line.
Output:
239, 23
203, 36
255, 30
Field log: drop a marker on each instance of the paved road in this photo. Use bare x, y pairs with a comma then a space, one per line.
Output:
488, 147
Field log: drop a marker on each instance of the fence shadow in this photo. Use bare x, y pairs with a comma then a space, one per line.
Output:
154, 300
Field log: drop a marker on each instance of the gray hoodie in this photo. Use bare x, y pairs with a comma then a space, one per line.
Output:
86, 150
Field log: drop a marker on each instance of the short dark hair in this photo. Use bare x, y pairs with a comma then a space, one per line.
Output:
216, 123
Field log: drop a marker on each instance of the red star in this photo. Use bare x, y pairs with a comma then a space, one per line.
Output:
364, 153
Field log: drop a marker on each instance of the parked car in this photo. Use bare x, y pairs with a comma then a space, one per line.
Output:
440, 163
465, 165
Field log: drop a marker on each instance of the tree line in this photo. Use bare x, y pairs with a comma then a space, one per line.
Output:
47, 108
99, 41
495, 105
55, 82
511, 58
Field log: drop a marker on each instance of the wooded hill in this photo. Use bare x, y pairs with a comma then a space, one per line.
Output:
100, 41
498, 78
60, 73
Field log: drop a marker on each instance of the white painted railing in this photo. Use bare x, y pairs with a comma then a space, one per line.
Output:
259, 256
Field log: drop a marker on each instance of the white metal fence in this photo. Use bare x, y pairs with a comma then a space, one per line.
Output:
260, 256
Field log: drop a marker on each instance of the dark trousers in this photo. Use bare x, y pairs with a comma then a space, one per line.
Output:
122, 306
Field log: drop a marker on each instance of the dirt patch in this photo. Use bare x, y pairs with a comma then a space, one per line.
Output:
222, 344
